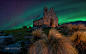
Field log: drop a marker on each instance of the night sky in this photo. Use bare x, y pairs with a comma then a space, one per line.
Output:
15, 14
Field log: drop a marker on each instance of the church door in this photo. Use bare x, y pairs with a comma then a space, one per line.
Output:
51, 22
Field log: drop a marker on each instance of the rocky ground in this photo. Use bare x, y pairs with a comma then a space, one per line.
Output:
16, 41
10, 45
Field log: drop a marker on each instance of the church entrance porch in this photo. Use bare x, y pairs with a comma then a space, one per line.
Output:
51, 22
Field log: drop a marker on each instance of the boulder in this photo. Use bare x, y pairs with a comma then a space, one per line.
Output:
28, 37
13, 48
2, 34
11, 34
27, 42
19, 33
6, 40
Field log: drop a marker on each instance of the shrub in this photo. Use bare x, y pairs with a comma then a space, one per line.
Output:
69, 29
37, 32
79, 40
64, 29
55, 43
24, 26
75, 27
37, 35
29, 26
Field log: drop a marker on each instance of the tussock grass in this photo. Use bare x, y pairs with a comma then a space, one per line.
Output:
79, 40
55, 43
69, 29
79, 36
75, 27
37, 33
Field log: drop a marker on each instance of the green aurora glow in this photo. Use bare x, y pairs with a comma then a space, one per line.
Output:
66, 11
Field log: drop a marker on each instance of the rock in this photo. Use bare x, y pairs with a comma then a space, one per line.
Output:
28, 46
0, 31
2, 34
28, 37
13, 48
19, 33
34, 27
6, 40
27, 42
11, 34
28, 30
21, 42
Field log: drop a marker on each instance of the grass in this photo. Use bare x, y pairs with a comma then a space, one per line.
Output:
55, 43
16, 31
21, 30
26, 34
69, 29
19, 36
21, 39
46, 30
37, 35
37, 32
75, 27
79, 40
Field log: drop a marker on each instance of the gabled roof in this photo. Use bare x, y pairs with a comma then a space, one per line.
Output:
39, 17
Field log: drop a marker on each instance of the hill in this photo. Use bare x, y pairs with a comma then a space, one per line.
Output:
76, 22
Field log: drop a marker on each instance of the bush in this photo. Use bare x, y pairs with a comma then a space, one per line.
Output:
69, 29
37, 32
64, 29
55, 43
75, 27
79, 40
29, 26
24, 26
37, 35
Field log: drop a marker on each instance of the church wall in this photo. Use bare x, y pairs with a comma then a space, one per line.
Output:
48, 16
40, 22
46, 19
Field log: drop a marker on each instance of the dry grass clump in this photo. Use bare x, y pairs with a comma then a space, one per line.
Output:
75, 27
37, 33
79, 40
79, 35
55, 43
69, 29
64, 29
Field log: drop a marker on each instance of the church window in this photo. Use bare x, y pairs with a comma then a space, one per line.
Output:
40, 23
35, 24
45, 10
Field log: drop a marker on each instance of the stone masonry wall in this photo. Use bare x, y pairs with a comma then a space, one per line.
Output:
48, 16
40, 22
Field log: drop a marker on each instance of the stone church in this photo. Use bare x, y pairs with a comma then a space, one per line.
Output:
49, 19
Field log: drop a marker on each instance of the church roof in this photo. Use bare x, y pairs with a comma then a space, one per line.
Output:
39, 17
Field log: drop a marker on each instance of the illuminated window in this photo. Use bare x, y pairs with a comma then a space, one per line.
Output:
39, 23
35, 24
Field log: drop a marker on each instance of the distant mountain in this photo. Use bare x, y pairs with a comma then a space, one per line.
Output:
76, 22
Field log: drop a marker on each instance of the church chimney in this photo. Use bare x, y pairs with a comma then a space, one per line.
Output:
45, 10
